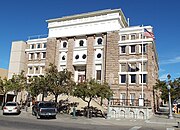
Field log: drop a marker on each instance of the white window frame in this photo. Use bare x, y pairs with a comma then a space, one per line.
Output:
130, 49
130, 78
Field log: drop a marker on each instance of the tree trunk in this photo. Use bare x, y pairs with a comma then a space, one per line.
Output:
56, 96
88, 109
43, 96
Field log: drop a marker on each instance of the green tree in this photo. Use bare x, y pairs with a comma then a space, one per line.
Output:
91, 89
18, 84
5, 86
58, 82
38, 85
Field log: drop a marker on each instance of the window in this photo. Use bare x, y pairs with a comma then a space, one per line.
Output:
31, 55
123, 78
144, 66
38, 45
133, 49
84, 56
144, 78
123, 67
77, 57
64, 44
122, 98
144, 48
132, 98
37, 55
44, 55
123, 49
44, 45
99, 55
81, 43
98, 74
36, 68
133, 37
63, 58
99, 41
123, 38
32, 46
133, 78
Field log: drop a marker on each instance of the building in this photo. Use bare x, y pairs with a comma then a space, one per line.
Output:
3, 73
98, 45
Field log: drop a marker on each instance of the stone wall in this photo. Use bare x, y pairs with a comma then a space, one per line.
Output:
112, 57
90, 57
70, 55
130, 112
52, 52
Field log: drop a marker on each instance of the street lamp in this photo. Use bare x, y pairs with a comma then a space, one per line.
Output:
170, 108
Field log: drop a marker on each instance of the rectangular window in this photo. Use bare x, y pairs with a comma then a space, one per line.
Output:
123, 78
144, 78
122, 98
123, 49
32, 46
133, 49
37, 54
38, 45
123, 67
133, 37
144, 48
132, 98
44, 45
31, 55
98, 74
123, 38
133, 78
44, 55
144, 66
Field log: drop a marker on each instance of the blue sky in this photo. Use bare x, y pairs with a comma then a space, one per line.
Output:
22, 18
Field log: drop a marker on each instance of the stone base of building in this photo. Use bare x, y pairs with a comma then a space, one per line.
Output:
130, 112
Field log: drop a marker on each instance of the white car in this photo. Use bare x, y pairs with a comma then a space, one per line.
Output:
11, 108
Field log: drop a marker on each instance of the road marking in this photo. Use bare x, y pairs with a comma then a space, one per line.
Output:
135, 128
169, 128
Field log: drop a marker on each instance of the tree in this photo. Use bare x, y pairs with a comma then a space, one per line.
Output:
175, 89
5, 86
18, 83
91, 89
58, 82
38, 85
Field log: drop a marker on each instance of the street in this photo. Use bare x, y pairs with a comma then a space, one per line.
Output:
25, 121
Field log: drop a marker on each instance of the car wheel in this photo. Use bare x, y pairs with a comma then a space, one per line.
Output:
54, 117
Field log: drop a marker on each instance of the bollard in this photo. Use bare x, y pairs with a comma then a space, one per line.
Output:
74, 112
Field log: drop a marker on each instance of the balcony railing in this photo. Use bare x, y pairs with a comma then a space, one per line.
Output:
129, 102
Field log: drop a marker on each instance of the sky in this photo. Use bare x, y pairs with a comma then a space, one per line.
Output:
20, 19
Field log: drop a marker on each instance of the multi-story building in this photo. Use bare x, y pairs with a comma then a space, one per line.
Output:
99, 45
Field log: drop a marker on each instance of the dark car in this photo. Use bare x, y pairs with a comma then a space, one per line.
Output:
44, 109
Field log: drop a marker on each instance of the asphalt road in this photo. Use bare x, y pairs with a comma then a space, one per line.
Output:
29, 122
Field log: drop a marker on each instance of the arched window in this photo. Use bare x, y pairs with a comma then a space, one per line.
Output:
99, 41
81, 43
64, 44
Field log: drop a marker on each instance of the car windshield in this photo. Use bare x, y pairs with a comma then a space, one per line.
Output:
11, 104
46, 105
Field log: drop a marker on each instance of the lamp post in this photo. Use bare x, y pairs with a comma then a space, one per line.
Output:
169, 87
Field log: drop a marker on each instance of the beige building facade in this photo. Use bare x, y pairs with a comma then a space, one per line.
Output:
99, 45
3, 73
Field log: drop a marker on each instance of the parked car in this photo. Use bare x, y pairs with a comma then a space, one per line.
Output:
11, 108
44, 109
